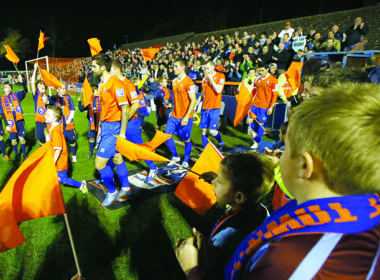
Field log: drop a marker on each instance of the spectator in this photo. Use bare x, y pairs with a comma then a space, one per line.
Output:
337, 34
328, 46
355, 34
330, 35
288, 30
273, 70
281, 57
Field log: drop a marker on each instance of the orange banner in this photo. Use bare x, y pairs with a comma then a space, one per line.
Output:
94, 46
49, 79
135, 152
88, 93
150, 52
195, 192
10, 55
41, 40
28, 195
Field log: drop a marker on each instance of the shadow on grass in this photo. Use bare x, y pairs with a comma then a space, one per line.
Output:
152, 256
94, 248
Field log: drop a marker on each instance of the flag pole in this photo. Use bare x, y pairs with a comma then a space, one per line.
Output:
72, 244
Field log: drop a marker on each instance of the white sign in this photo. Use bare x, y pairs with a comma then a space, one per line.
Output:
299, 43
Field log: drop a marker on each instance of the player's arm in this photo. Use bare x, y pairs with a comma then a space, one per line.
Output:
34, 79
193, 101
124, 120
133, 109
57, 153
217, 87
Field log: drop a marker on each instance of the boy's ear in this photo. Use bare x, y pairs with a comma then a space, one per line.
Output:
240, 197
311, 166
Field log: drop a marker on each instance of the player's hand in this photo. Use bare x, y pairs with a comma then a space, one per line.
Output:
185, 121
270, 111
8, 128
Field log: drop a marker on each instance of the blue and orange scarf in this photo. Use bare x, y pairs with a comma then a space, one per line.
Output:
346, 214
93, 109
8, 102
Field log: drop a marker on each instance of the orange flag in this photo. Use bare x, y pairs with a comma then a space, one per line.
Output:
244, 101
94, 46
135, 152
10, 234
11, 56
49, 79
159, 138
28, 195
88, 93
293, 74
149, 54
41, 40
195, 192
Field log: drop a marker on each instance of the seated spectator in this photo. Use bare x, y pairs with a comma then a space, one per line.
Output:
273, 70
242, 181
288, 30
246, 65
263, 38
281, 57
316, 42
328, 46
355, 34
264, 56
337, 34
336, 42
286, 41
373, 70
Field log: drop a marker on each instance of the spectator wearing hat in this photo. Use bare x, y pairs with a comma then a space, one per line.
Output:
273, 70
288, 30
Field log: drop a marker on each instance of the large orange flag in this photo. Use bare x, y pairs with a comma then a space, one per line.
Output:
195, 192
11, 56
293, 74
49, 79
135, 152
244, 101
88, 93
41, 40
28, 195
149, 53
94, 46
159, 138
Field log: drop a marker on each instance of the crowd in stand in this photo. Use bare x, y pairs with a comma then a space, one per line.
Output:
234, 54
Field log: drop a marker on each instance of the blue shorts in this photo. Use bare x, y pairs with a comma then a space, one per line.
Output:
174, 127
260, 113
133, 132
107, 146
20, 125
70, 135
210, 119
40, 133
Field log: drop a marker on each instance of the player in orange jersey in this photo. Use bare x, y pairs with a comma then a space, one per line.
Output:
212, 87
181, 119
264, 98
114, 120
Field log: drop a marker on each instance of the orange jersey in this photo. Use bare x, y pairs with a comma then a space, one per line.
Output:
57, 141
265, 92
131, 93
181, 89
212, 99
112, 96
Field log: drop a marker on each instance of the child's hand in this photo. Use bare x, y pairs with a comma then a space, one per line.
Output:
208, 177
187, 254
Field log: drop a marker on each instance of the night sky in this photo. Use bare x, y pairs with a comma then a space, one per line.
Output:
73, 26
